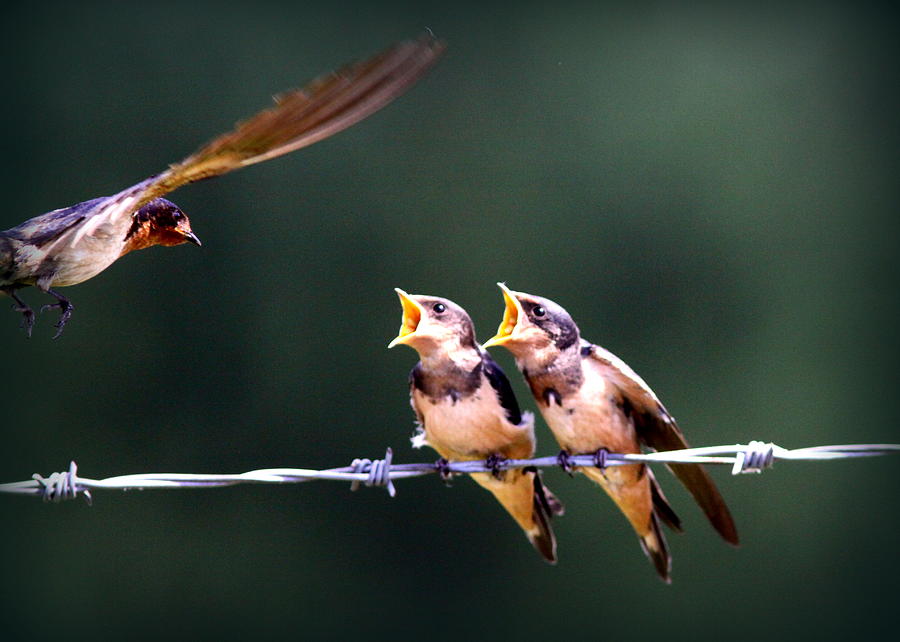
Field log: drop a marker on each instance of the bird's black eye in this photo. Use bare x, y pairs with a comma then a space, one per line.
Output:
176, 215
439, 308
538, 311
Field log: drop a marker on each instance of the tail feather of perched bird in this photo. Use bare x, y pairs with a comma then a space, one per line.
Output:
73, 244
661, 506
545, 506
593, 401
657, 550
466, 410
550, 502
659, 431
634, 496
519, 492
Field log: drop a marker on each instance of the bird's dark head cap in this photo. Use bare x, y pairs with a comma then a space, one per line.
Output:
168, 224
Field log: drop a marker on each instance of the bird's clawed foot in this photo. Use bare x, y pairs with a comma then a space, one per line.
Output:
27, 314
497, 465
65, 306
600, 458
564, 460
443, 469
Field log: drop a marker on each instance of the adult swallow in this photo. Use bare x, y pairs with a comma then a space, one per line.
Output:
466, 410
593, 402
70, 245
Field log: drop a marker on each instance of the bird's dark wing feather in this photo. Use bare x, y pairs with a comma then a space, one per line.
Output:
414, 377
302, 117
661, 505
543, 511
501, 385
658, 430
45, 228
326, 106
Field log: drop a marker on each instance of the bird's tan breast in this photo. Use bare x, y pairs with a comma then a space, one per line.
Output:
473, 427
590, 417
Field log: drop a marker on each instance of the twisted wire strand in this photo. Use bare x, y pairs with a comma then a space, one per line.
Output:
744, 458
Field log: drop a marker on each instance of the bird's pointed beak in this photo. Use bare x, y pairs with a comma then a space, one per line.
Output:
511, 316
412, 315
190, 237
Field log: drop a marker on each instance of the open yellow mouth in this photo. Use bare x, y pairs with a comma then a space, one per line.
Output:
510, 319
412, 315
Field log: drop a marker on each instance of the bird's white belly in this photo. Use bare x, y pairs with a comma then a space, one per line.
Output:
85, 261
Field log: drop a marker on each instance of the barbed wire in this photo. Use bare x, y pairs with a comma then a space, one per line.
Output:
743, 458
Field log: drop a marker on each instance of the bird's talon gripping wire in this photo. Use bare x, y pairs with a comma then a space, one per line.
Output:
443, 469
564, 460
496, 463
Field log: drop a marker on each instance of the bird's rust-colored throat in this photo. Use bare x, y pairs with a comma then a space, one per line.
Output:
139, 238
146, 235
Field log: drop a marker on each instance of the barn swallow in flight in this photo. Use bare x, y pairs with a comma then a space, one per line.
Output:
594, 403
466, 410
73, 244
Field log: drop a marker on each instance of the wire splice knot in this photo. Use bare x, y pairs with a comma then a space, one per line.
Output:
758, 456
60, 486
379, 472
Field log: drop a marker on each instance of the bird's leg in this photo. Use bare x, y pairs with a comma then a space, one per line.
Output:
443, 469
553, 508
65, 306
600, 458
564, 460
28, 313
496, 463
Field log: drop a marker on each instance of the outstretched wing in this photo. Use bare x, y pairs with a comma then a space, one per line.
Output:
324, 107
299, 118
658, 430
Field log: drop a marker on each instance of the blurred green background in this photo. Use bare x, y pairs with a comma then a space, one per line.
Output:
711, 191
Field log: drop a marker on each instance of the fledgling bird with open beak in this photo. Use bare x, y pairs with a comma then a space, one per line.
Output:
593, 401
70, 245
466, 411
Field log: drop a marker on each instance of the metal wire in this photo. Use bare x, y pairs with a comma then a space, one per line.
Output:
744, 458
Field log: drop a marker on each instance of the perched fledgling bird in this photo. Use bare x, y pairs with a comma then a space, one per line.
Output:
593, 401
466, 410
73, 244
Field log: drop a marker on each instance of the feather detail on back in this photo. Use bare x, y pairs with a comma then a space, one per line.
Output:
657, 429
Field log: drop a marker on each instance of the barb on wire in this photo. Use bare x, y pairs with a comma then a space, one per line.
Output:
379, 472
744, 458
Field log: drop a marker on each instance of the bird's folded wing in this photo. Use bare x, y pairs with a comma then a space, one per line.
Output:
299, 118
658, 430
505, 395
